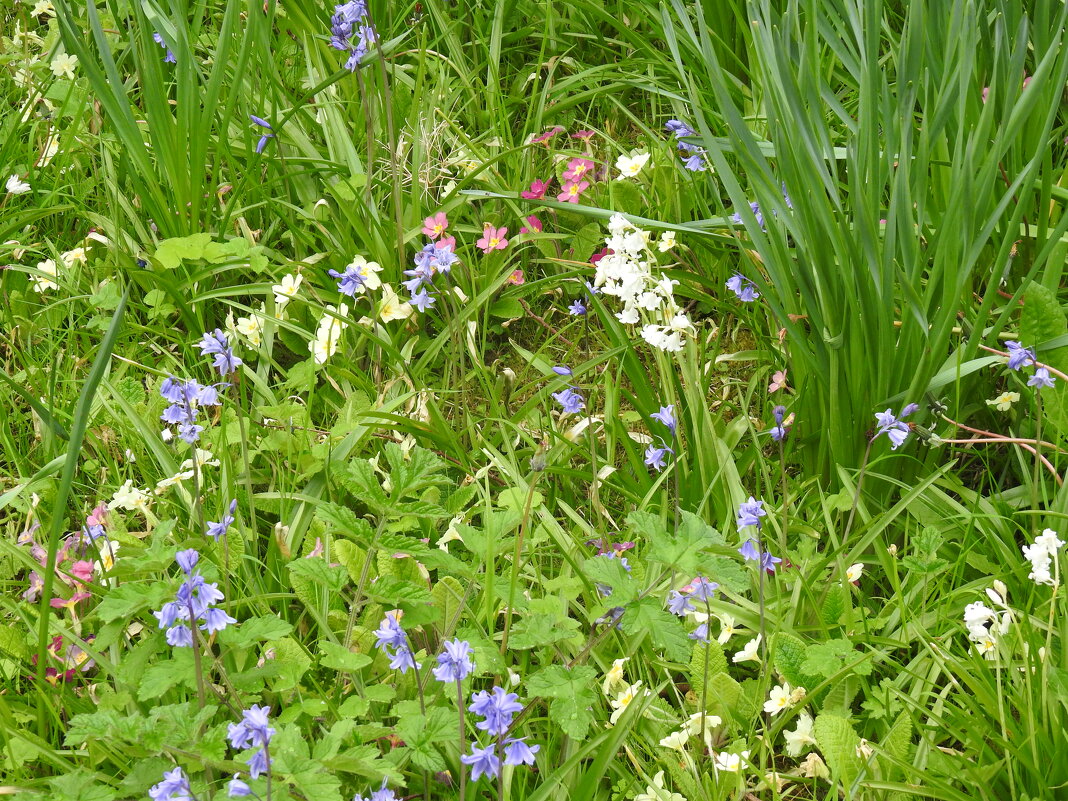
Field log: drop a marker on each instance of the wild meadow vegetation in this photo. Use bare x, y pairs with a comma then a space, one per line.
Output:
520, 400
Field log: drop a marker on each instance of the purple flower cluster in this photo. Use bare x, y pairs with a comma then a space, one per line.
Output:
455, 664
186, 399
693, 157
260, 121
891, 425
254, 731
174, 787
750, 512
656, 455
751, 553
497, 709
779, 431
435, 257
393, 640
351, 30
217, 530
742, 287
216, 343
571, 401
381, 794
157, 37
193, 604
485, 762
1019, 356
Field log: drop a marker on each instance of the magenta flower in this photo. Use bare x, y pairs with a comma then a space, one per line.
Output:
572, 191
535, 226
576, 168
585, 136
536, 191
549, 134
435, 226
492, 239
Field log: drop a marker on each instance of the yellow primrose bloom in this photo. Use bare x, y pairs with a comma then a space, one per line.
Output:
1004, 401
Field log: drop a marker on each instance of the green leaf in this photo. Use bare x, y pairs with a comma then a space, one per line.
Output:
318, 571
339, 657
291, 662
172, 252
610, 572
838, 742
422, 732
572, 691
128, 600
253, 630
176, 671
79, 785
827, 658
665, 631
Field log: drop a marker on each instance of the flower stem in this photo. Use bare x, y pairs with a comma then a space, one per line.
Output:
463, 739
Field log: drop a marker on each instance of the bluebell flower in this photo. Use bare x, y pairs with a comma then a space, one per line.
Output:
571, 401
750, 512
393, 640
655, 456
258, 763
217, 530
180, 636
679, 604
381, 794
350, 30
779, 431
189, 432
700, 633
896, 430
592, 289
186, 398
497, 708
455, 664
350, 281
576, 309
263, 139
517, 752
216, 344
749, 551
563, 369
666, 415
422, 300
1019, 356
238, 788
483, 761
174, 787
768, 562
193, 603
253, 730
702, 589
755, 208
157, 37
1041, 378
697, 160
187, 560
742, 287
613, 617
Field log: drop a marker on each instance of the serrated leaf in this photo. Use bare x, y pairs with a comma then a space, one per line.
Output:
716, 659
127, 600
176, 671
253, 630
838, 743
421, 732
318, 571
79, 785
572, 692
608, 572
338, 657
665, 631
291, 662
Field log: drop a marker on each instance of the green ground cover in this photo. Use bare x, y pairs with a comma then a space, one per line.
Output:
527, 400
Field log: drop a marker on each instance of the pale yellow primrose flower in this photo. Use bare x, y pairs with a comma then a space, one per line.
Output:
1004, 401
63, 65
630, 166
657, 792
